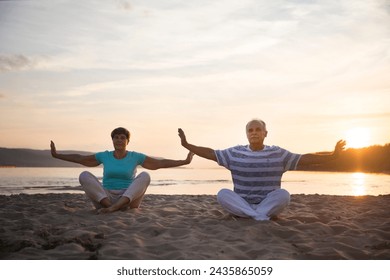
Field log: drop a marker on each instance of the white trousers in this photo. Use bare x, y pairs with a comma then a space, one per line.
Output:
95, 191
272, 205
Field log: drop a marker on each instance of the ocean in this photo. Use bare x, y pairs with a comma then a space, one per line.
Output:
192, 181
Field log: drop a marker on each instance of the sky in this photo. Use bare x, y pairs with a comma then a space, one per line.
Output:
314, 71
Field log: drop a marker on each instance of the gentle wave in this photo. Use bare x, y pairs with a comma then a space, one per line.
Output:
64, 186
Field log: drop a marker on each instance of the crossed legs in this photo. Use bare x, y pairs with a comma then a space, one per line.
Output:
102, 198
272, 205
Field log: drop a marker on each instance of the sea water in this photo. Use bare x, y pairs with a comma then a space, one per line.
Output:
193, 181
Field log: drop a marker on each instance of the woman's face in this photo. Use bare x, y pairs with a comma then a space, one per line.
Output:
120, 141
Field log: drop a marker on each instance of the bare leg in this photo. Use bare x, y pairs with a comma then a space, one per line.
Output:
121, 202
105, 202
137, 202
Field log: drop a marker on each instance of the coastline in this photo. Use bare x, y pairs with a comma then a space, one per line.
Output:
313, 227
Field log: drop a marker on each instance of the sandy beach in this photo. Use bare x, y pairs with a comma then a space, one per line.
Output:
65, 226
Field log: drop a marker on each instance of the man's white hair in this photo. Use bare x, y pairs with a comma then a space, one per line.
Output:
258, 121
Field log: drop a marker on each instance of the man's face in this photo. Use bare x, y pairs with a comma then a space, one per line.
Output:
255, 132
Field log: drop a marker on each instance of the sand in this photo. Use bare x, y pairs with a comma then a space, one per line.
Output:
65, 226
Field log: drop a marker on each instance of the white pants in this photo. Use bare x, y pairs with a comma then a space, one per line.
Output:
95, 191
272, 205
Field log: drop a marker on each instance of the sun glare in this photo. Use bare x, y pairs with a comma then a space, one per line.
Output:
359, 184
358, 137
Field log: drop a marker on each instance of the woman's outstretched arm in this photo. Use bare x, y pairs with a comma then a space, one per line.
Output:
88, 160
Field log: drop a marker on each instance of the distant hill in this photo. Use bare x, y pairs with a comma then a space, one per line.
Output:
34, 158
374, 159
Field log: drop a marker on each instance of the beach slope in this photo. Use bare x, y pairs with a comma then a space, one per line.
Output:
65, 226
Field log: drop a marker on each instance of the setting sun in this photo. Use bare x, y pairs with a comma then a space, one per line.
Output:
358, 137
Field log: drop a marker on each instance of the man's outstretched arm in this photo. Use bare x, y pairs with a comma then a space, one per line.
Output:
309, 159
203, 152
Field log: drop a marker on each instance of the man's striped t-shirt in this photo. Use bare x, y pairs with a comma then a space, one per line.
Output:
256, 173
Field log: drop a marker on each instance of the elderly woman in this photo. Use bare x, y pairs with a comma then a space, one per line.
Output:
120, 188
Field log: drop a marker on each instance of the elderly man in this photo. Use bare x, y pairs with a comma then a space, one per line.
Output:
257, 171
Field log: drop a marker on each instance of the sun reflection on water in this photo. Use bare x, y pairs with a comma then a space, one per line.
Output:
359, 184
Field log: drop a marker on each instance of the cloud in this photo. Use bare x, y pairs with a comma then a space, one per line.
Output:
10, 63
384, 115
